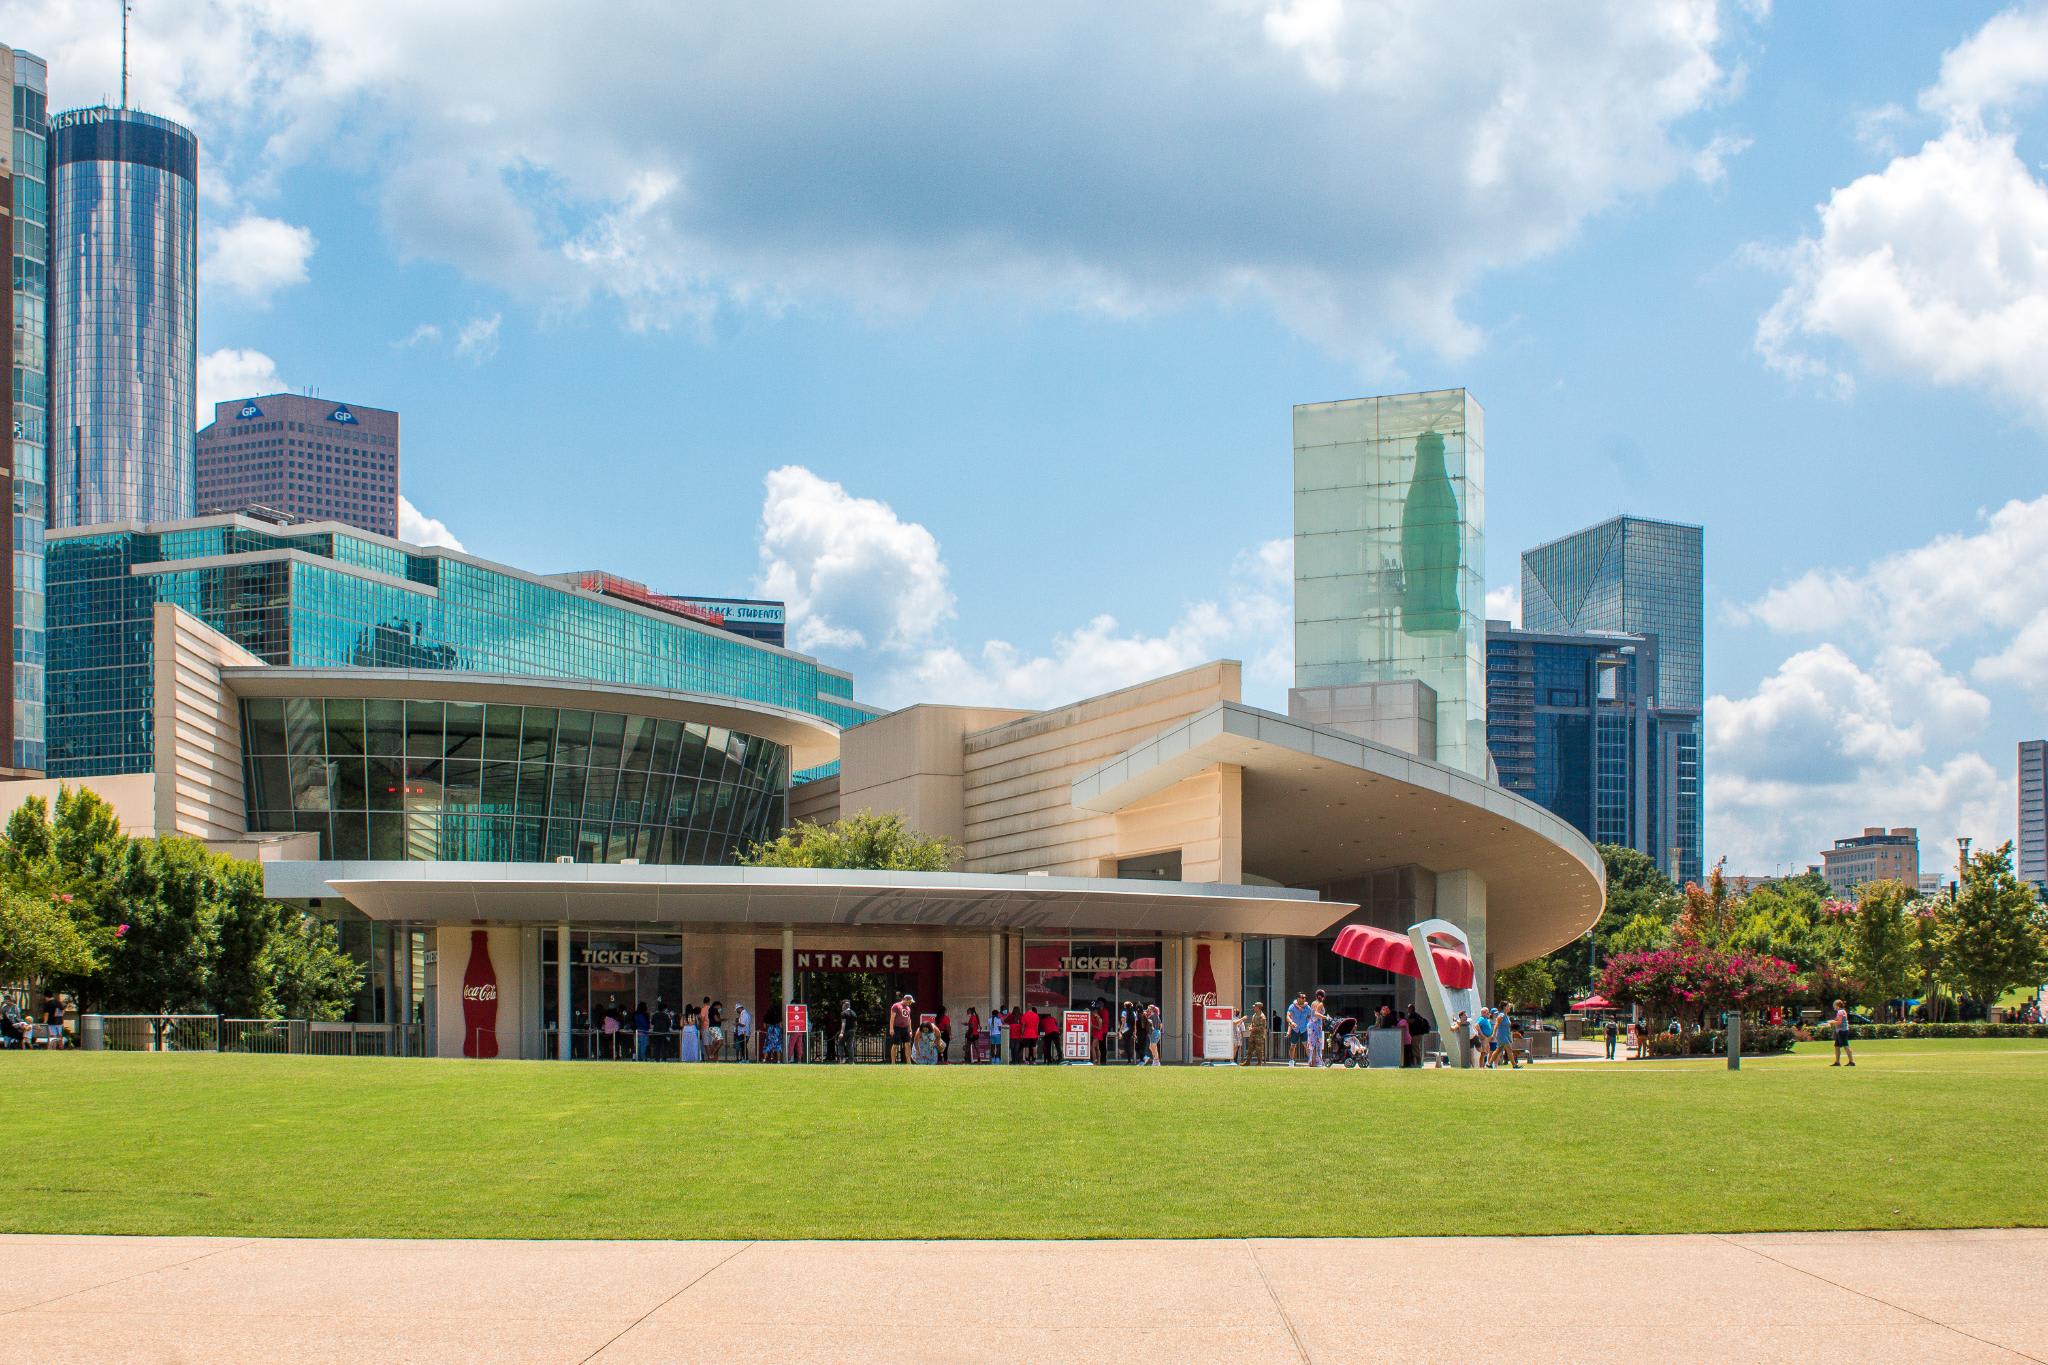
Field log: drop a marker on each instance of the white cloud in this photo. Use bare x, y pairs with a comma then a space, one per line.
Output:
254, 258
477, 340
1934, 269
1504, 603
869, 588
685, 158
417, 528
1825, 747
426, 334
855, 575
1986, 589
230, 373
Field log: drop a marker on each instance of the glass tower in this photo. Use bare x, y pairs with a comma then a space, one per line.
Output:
322, 597
1389, 553
25, 168
1640, 577
124, 322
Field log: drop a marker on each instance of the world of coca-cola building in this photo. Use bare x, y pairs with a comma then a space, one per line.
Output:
1162, 845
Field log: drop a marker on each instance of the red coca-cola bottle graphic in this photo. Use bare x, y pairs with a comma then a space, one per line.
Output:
479, 1000
1204, 991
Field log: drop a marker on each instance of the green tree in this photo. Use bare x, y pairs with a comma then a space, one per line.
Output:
1995, 935
310, 976
862, 840
1643, 933
1530, 985
40, 941
1879, 953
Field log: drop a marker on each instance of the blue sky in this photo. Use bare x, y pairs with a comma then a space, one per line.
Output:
976, 336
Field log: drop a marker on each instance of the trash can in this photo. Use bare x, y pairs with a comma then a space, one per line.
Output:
92, 1032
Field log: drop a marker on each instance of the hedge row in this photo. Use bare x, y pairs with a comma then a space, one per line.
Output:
1756, 1042
1862, 1032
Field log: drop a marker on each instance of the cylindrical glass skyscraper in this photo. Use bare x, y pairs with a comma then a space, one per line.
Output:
124, 331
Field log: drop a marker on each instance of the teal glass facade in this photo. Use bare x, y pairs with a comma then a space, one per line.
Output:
1640, 577
317, 597
1390, 553
398, 780
30, 172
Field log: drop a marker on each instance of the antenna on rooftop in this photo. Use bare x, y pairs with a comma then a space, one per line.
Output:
126, 6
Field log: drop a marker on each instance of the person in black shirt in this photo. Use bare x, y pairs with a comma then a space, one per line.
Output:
849, 1026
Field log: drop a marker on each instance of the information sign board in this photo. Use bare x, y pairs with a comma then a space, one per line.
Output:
797, 1020
1074, 1033
1219, 1042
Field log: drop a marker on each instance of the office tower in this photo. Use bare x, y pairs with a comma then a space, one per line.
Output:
1875, 855
313, 458
2033, 840
1573, 723
124, 202
1634, 576
25, 223
1389, 561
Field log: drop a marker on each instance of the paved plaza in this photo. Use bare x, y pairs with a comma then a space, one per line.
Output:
1924, 1296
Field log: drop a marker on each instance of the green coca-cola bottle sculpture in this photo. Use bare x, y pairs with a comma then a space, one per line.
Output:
1430, 544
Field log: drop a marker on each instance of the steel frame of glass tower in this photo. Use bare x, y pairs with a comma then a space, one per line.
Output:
26, 174
1390, 554
1637, 576
124, 199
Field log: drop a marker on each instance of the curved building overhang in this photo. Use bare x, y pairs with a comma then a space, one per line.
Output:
812, 741
1323, 807
772, 897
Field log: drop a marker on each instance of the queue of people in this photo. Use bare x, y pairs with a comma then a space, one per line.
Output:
706, 1031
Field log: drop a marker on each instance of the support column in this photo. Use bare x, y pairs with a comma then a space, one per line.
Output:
789, 990
564, 1034
401, 961
995, 971
1461, 899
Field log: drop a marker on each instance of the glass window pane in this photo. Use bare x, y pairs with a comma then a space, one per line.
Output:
607, 737
385, 778
384, 726
460, 780
423, 726
501, 733
639, 749
572, 740
344, 726
538, 744
465, 729
266, 725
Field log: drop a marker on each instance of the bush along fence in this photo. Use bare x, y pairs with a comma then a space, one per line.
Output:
1864, 1032
1756, 1042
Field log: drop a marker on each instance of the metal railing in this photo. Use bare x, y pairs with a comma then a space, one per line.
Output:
153, 1032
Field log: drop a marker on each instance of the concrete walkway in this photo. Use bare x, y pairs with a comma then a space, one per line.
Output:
1920, 1296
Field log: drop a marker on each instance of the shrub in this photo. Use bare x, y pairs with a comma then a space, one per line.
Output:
1756, 1042
1864, 1032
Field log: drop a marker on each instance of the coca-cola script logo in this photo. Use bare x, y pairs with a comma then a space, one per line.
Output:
480, 992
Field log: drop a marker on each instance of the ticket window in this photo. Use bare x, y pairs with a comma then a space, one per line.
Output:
609, 970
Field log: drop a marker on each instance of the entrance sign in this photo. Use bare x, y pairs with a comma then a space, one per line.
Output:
1219, 1039
1075, 1033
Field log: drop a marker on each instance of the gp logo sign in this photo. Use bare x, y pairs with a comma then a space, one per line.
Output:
248, 410
343, 416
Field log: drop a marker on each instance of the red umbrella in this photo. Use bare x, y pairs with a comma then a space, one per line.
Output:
1391, 952
1594, 1002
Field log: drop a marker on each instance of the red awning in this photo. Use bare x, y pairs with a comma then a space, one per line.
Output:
1594, 1002
1391, 952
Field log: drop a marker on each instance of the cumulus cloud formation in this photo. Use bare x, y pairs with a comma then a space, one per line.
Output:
1933, 268
867, 587
418, 528
232, 373
1504, 603
1985, 589
683, 158
254, 257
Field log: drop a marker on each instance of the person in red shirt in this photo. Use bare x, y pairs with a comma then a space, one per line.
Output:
945, 1033
899, 1031
1025, 1035
1098, 1029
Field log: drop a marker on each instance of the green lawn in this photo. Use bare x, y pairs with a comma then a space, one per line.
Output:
1921, 1134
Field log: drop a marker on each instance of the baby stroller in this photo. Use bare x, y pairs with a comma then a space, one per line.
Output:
1346, 1047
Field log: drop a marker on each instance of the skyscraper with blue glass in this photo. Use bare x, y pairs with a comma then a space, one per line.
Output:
326, 596
124, 205
24, 456
1635, 576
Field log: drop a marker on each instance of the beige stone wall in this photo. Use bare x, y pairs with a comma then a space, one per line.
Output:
198, 734
914, 761
815, 801
132, 795
1017, 814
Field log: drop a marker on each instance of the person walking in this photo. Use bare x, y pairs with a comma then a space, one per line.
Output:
53, 1021
899, 1031
1318, 1017
742, 1030
1257, 1030
1152, 1027
1611, 1035
1297, 1027
1842, 1048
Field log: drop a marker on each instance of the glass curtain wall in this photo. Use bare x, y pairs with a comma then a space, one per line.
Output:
436, 781
1390, 554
